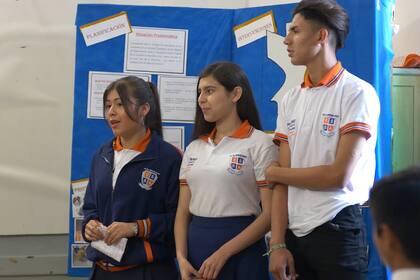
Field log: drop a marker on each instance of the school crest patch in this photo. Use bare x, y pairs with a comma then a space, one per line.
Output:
148, 178
236, 163
329, 124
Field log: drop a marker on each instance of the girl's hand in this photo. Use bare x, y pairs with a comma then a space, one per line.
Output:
213, 264
187, 271
280, 260
92, 232
270, 170
118, 230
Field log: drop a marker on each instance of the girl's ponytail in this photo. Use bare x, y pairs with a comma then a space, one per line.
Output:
154, 119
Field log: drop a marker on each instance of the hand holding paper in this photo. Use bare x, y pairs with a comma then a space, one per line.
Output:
118, 230
114, 251
92, 232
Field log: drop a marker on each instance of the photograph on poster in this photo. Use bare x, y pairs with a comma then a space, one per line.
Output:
77, 204
79, 186
78, 256
78, 237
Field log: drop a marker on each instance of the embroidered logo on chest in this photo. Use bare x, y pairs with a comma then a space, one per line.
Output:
237, 163
148, 179
329, 123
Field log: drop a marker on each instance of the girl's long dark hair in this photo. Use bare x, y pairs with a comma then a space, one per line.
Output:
229, 75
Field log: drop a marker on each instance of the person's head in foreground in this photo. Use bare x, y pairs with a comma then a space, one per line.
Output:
395, 204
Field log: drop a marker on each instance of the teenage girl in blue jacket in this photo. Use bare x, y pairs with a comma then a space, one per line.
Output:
133, 187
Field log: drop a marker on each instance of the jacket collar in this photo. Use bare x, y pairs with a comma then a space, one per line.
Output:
152, 150
141, 146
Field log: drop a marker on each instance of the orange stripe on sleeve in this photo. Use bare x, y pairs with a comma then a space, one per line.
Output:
144, 227
148, 250
263, 184
279, 137
141, 228
183, 183
356, 126
149, 227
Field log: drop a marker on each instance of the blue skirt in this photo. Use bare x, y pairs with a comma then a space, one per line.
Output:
206, 235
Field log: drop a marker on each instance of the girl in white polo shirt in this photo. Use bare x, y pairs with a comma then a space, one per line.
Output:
224, 204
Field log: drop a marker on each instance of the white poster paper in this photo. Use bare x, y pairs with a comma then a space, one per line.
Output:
98, 81
178, 97
156, 50
105, 29
254, 29
175, 136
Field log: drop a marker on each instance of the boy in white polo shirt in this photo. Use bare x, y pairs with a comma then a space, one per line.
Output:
327, 134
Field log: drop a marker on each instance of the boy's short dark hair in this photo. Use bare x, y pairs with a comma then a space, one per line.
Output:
328, 14
395, 201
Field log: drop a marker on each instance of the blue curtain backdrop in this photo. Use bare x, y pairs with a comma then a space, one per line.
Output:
382, 83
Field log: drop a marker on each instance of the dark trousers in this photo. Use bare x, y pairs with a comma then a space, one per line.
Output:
206, 235
153, 271
336, 250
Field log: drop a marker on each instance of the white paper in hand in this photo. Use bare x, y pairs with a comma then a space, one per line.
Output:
114, 251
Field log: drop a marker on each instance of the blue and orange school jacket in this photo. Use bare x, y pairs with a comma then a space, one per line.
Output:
145, 192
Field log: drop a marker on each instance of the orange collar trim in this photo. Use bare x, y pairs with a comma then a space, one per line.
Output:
244, 131
329, 79
139, 147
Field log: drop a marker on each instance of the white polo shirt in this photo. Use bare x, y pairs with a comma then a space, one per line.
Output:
224, 179
311, 120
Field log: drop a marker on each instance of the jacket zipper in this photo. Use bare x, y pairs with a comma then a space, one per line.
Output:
112, 192
112, 173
